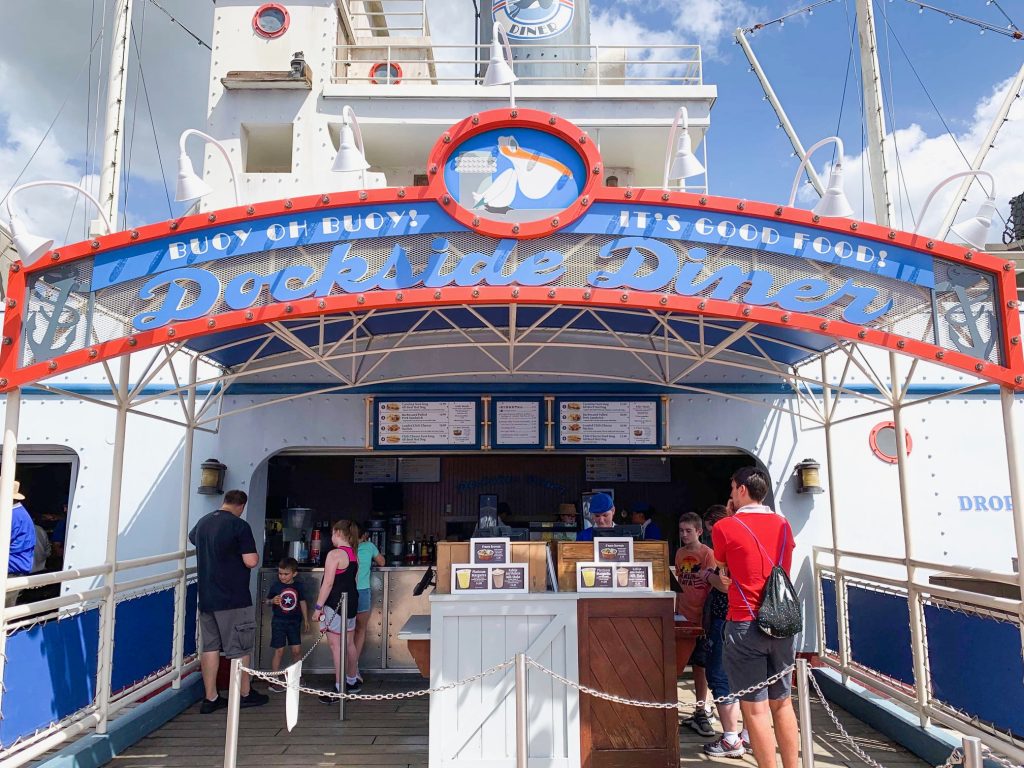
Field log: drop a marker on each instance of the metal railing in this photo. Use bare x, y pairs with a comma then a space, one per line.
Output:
106, 702
380, 63
400, 18
910, 580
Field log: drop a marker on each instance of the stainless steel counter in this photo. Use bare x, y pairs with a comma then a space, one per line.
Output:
391, 604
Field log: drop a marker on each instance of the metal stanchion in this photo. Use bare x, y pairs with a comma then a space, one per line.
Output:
234, 705
343, 617
973, 757
522, 737
803, 692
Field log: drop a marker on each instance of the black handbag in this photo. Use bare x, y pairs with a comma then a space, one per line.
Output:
779, 614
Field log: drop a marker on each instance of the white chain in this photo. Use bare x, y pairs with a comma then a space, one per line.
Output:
997, 758
264, 673
956, 757
274, 678
654, 704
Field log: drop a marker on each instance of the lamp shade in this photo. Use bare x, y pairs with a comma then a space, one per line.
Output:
499, 71
350, 156
834, 201
190, 186
30, 247
685, 164
974, 231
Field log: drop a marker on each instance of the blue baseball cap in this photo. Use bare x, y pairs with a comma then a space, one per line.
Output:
601, 503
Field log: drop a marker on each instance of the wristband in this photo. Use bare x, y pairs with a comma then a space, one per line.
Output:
318, 607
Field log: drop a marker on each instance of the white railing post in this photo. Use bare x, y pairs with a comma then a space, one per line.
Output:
8, 469
913, 595
109, 606
973, 757
522, 734
234, 706
803, 691
597, 63
181, 591
1013, 458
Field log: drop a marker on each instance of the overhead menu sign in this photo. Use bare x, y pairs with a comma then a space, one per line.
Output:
517, 423
450, 423
374, 470
607, 423
608, 469
419, 469
650, 469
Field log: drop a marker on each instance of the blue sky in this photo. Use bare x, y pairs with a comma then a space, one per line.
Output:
806, 60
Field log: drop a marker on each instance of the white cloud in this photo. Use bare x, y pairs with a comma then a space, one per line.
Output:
925, 160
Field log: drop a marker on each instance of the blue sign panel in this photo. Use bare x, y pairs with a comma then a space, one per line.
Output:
515, 174
607, 422
427, 423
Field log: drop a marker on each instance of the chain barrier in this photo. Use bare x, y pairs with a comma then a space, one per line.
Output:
988, 754
275, 679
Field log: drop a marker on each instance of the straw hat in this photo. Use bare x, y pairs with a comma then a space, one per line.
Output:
18, 496
567, 509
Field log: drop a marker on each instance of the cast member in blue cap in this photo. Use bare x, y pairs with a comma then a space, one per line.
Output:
602, 513
642, 515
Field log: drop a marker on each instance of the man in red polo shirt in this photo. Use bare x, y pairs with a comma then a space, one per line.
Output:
748, 545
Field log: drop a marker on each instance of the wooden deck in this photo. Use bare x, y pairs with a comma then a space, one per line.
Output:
394, 735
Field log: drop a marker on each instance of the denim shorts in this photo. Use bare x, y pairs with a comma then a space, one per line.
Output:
284, 633
699, 655
751, 657
364, 600
331, 621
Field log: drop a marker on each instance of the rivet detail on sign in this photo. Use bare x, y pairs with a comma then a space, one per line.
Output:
437, 294
785, 318
740, 205
95, 243
446, 199
624, 297
892, 235
554, 222
702, 305
596, 170
287, 203
1011, 304
824, 326
551, 293
361, 299
1016, 380
433, 168
746, 311
16, 266
585, 200
173, 225
586, 295
53, 365
514, 113
979, 367
132, 341
55, 256
135, 234
968, 257
363, 195
939, 355
663, 300
862, 334
1015, 340
476, 293
930, 244
3, 382
552, 120
325, 199
703, 201
901, 344
447, 139
1008, 266
8, 341
583, 138
515, 229
321, 304
249, 315
401, 192
93, 353
212, 217
854, 225
515, 293
250, 210
12, 303
476, 222
475, 120
211, 324
399, 296
665, 195
778, 211
287, 308
628, 194
170, 331
815, 218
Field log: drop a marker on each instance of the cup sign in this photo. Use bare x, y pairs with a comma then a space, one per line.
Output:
489, 551
613, 550
500, 577
613, 577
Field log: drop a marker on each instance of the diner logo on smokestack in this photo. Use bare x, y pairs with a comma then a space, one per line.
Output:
533, 19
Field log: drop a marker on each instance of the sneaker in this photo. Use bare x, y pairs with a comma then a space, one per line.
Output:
355, 687
254, 699
723, 748
701, 723
212, 706
745, 738
275, 688
326, 698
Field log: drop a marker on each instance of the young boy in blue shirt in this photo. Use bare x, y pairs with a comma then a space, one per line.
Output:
291, 616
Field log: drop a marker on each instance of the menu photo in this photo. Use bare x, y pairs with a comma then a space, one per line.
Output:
470, 578
613, 550
510, 577
501, 577
595, 577
633, 577
489, 551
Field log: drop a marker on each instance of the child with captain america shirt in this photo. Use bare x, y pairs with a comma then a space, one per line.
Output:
290, 617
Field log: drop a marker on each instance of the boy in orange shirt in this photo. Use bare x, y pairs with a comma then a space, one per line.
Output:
694, 561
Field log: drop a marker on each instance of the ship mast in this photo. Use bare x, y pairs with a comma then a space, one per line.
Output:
871, 81
113, 135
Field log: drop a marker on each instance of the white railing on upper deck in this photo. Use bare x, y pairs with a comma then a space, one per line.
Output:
380, 63
400, 18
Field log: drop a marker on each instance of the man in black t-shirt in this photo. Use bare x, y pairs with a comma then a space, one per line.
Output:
225, 553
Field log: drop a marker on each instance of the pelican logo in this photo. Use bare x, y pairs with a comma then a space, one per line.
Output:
515, 175
533, 19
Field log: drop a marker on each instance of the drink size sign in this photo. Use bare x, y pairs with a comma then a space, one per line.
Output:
503, 577
617, 577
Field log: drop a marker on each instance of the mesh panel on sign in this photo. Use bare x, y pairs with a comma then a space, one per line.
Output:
62, 316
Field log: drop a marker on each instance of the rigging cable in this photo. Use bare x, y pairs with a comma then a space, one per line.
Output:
901, 179
126, 176
1005, 15
781, 20
846, 81
928, 95
49, 129
1012, 32
88, 100
187, 30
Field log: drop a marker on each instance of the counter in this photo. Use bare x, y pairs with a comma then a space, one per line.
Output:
391, 604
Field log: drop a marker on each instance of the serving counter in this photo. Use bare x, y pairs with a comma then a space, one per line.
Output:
392, 603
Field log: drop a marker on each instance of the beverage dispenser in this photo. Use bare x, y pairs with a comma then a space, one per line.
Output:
297, 524
377, 528
396, 539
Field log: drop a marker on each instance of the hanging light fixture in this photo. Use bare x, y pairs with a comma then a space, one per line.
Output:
351, 153
30, 246
499, 66
972, 231
684, 164
190, 186
834, 202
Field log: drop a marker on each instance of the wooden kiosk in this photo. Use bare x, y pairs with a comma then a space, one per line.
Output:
619, 640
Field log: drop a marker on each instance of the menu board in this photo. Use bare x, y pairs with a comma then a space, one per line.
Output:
607, 423
502, 577
613, 550
606, 469
489, 551
374, 470
650, 469
517, 423
426, 423
621, 577
425, 469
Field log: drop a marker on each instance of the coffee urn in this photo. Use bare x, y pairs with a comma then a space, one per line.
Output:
396, 539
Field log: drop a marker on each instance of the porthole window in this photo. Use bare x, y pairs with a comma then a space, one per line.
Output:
270, 20
883, 441
386, 73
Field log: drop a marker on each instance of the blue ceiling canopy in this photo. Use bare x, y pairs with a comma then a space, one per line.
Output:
408, 329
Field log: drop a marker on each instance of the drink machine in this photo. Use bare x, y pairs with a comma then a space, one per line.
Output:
377, 528
396, 539
297, 522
